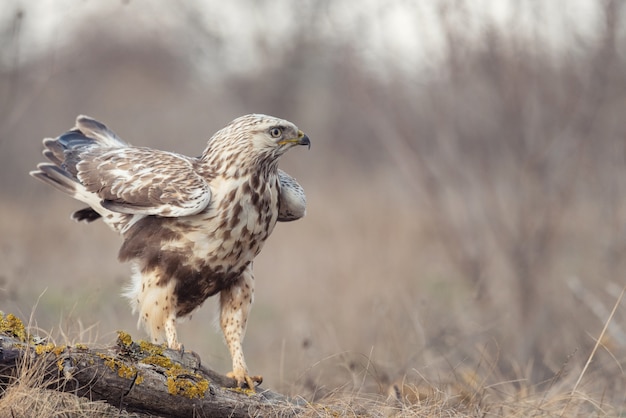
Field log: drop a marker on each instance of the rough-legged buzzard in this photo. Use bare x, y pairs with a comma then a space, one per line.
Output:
191, 226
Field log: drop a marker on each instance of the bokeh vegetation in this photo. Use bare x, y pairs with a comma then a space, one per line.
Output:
466, 184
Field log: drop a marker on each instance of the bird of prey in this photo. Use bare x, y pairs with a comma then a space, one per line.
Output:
191, 225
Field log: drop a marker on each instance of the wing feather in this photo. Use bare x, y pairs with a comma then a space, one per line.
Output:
144, 181
291, 199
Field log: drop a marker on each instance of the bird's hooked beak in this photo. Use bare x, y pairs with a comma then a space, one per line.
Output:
302, 139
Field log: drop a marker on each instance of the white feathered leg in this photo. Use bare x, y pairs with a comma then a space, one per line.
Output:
235, 304
155, 305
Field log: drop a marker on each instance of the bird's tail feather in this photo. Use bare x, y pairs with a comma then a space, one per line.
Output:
55, 177
64, 153
66, 149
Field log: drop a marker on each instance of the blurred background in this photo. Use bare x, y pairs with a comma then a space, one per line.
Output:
466, 180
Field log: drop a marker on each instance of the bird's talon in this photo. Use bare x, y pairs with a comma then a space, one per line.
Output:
253, 381
245, 380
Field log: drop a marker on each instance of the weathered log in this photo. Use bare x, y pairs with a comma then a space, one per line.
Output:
140, 377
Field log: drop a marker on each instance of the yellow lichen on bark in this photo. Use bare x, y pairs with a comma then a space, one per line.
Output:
123, 370
12, 325
124, 338
44, 348
185, 383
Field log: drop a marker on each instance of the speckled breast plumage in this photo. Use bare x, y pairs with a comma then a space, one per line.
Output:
205, 253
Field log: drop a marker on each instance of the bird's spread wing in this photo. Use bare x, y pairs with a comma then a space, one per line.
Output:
292, 200
144, 181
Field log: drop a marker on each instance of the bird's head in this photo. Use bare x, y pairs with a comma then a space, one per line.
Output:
254, 139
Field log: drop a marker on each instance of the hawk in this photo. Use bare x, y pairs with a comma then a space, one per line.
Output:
191, 225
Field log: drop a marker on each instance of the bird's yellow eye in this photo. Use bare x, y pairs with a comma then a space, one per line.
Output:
276, 132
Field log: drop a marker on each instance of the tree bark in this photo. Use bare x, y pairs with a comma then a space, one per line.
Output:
140, 377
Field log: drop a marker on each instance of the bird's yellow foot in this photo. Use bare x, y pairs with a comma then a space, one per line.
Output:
244, 379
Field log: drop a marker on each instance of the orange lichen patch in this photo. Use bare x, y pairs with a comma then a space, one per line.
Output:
185, 383
124, 339
157, 360
180, 381
123, 370
60, 365
147, 347
245, 391
58, 350
154, 355
44, 348
13, 326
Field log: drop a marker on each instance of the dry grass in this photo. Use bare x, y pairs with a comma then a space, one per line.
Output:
480, 391
354, 384
26, 392
26, 399
469, 395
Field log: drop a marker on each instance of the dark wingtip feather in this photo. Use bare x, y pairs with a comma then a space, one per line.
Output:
50, 155
83, 121
86, 215
35, 173
54, 176
73, 139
